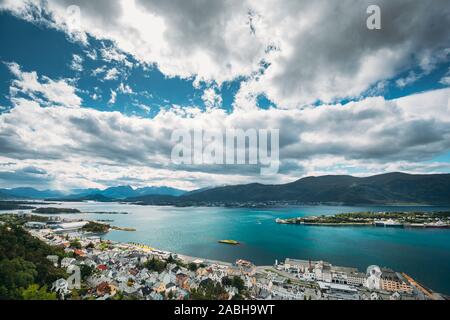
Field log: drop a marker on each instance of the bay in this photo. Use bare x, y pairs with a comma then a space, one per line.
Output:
423, 254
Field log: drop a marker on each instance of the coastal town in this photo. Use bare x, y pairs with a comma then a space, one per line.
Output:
103, 270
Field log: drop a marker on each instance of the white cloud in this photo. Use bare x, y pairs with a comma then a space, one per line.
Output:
112, 54
144, 108
113, 98
409, 79
125, 89
212, 98
91, 54
77, 63
446, 79
98, 71
45, 90
112, 74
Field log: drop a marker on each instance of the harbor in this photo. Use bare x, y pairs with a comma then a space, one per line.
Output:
263, 240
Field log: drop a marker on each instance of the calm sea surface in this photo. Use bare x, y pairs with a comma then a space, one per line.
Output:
423, 254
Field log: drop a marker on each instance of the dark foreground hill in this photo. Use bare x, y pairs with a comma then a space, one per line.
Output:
391, 188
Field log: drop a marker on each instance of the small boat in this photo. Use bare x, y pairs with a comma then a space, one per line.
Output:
231, 242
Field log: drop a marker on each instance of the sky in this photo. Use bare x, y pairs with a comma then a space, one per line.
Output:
90, 95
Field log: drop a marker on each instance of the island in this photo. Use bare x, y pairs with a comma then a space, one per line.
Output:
98, 227
377, 219
95, 227
56, 211
107, 212
15, 205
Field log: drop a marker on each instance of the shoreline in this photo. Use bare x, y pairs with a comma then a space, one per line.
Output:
298, 277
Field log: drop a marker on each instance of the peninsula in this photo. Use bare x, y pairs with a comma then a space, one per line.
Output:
378, 219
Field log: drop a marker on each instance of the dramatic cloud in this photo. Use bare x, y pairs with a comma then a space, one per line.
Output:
85, 146
313, 50
293, 53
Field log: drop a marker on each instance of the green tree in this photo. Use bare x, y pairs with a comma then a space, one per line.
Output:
34, 292
192, 266
209, 290
90, 246
15, 274
23, 262
155, 265
238, 283
226, 281
75, 244
86, 271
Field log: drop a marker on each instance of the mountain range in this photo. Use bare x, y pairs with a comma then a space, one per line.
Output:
113, 193
390, 188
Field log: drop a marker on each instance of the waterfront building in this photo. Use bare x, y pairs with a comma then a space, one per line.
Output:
322, 271
296, 266
393, 282
246, 267
335, 291
356, 279
35, 225
69, 226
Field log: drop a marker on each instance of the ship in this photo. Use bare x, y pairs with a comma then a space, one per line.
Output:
388, 223
438, 224
231, 242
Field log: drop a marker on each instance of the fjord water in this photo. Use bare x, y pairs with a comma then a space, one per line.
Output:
422, 253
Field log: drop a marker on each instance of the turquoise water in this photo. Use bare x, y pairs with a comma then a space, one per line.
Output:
423, 254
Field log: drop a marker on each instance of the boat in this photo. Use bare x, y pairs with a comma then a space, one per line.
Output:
438, 224
388, 223
231, 242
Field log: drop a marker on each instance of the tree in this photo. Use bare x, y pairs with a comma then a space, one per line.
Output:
15, 274
170, 259
23, 262
34, 292
155, 265
86, 271
238, 283
75, 244
227, 282
192, 266
95, 227
209, 290
75, 295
